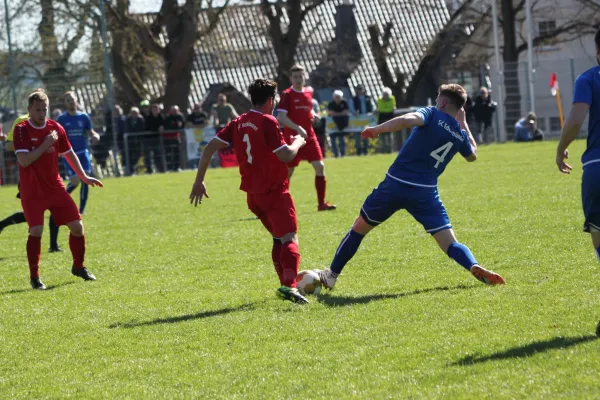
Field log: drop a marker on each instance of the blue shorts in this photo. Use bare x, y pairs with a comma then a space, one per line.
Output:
86, 163
590, 196
423, 203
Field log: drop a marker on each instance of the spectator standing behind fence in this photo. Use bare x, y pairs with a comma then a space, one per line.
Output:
386, 105
363, 104
339, 112
526, 129
56, 113
101, 151
133, 124
197, 119
222, 112
155, 125
483, 111
173, 123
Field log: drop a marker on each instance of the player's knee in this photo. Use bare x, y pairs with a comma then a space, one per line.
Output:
361, 226
319, 167
74, 181
36, 231
76, 228
290, 237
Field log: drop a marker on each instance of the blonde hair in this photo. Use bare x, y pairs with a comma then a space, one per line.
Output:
297, 68
38, 95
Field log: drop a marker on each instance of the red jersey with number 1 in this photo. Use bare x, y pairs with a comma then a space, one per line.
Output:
299, 108
256, 138
41, 178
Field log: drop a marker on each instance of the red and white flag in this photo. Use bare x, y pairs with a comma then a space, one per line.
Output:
553, 84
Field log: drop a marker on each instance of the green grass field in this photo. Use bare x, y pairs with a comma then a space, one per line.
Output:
185, 306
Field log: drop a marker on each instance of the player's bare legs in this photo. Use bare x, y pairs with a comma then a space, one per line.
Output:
345, 251
34, 249
77, 246
320, 185
290, 261
463, 256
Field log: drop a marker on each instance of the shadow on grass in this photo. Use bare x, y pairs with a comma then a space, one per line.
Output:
183, 318
49, 287
336, 301
528, 350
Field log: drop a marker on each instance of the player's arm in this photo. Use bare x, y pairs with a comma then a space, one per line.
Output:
287, 153
199, 189
569, 133
461, 117
26, 157
282, 116
73, 161
407, 121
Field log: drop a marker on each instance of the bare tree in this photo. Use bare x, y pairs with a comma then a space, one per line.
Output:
55, 70
169, 36
285, 36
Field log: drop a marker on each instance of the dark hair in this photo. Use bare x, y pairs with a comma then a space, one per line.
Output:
38, 95
455, 93
597, 37
262, 90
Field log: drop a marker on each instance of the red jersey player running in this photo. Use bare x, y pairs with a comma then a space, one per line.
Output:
262, 152
38, 141
295, 112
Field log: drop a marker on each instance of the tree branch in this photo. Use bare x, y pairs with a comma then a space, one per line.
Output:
213, 19
571, 27
310, 7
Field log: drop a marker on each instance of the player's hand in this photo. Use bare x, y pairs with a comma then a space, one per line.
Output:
198, 191
50, 139
368, 133
95, 139
461, 116
88, 180
301, 132
560, 161
300, 139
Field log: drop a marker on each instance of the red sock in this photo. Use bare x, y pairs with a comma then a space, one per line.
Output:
77, 246
276, 256
34, 249
290, 261
320, 185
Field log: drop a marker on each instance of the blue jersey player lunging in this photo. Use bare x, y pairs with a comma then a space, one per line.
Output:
586, 98
78, 126
411, 183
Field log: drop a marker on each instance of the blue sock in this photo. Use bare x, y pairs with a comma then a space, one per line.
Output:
70, 188
598, 253
346, 251
83, 197
462, 255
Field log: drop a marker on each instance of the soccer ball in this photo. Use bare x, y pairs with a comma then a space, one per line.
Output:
308, 282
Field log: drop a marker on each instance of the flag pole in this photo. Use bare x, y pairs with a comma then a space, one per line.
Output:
560, 110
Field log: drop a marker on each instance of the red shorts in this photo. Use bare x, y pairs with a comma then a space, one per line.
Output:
276, 210
310, 152
61, 206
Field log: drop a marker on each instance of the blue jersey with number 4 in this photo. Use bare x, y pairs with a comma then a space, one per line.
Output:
429, 149
587, 90
76, 127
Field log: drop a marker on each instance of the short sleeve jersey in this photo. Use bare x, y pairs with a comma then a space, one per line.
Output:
429, 149
587, 90
298, 106
256, 138
41, 178
76, 127
11, 133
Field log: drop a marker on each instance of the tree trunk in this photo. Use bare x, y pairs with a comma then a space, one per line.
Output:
510, 55
54, 74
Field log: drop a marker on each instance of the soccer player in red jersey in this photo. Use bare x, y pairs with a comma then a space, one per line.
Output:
262, 152
295, 112
38, 143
